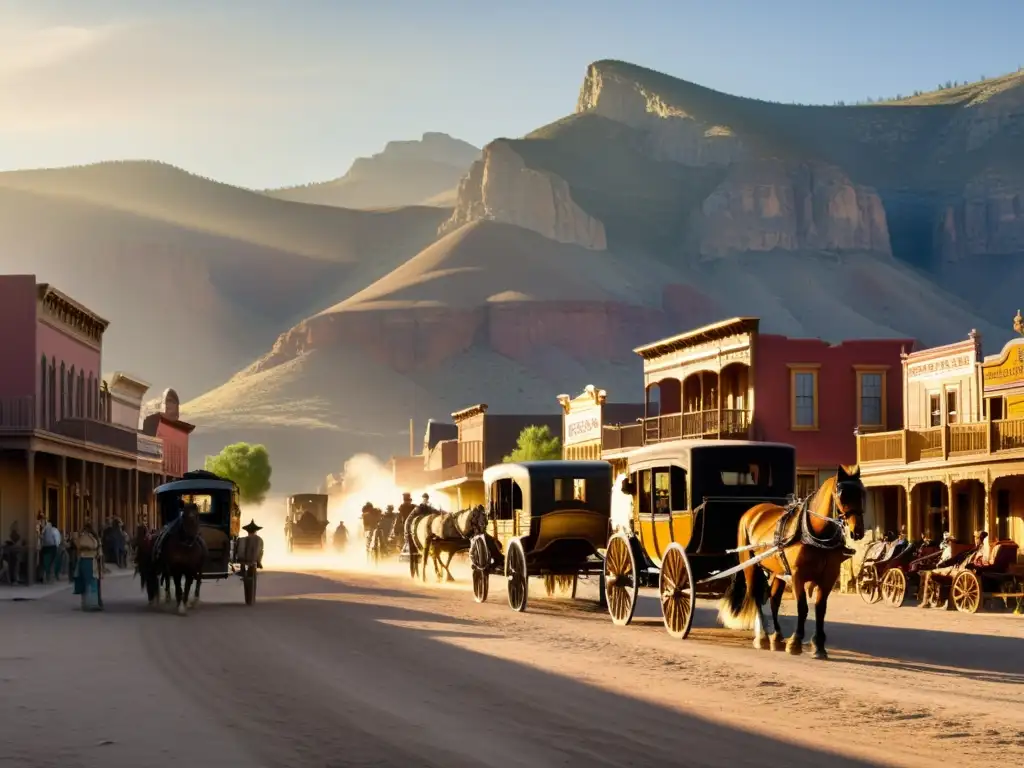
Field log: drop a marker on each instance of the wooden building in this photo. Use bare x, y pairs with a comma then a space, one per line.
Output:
584, 418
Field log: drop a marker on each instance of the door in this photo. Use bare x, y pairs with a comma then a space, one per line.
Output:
661, 502
642, 503
53, 507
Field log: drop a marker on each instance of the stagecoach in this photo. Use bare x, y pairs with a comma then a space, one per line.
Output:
687, 499
219, 525
306, 522
545, 518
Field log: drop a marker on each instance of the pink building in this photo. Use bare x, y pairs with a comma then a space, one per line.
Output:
70, 446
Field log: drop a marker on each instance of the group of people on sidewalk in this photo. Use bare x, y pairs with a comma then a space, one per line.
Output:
83, 556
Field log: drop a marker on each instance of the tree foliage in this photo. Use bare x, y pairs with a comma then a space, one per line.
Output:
536, 443
248, 466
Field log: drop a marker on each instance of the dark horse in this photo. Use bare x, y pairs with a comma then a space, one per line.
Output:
176, 551
812, 549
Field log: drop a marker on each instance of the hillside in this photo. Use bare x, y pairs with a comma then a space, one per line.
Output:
659, 205
196, 277
420, 172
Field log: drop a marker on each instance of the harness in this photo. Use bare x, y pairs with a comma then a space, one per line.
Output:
786, 534
172, 527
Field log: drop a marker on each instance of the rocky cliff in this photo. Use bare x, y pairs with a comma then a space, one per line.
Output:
500, 187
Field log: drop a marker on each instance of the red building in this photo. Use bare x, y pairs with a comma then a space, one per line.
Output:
70, 444
728, 380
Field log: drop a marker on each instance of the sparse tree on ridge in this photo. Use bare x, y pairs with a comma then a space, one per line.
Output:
536, 443
248, 466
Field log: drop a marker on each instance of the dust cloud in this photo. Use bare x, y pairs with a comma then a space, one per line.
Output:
364, 478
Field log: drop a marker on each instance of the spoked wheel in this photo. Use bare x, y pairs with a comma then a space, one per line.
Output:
867, 584
620, 580
966, 592
677, 593
894, 587
516, 576
249, 584
480, 560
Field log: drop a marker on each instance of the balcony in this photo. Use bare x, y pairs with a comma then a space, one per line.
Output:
622, 436
151, 448
17, 414
954, 441
99, 433
731, 423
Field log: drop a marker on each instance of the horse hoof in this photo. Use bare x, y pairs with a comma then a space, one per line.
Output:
794, 648
821, 655
778, 644
181, 610
761, 643
450, 580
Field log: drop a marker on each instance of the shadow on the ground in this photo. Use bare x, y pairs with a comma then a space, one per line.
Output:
365, 682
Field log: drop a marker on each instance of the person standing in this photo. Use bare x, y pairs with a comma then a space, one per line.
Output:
89, 568
49, 543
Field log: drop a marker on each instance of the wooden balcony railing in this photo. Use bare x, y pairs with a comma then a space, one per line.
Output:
17, 414
697, 424
619, 436
939, 443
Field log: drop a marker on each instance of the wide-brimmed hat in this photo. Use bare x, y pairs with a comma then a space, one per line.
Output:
252, 527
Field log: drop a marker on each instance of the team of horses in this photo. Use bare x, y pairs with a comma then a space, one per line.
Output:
807, 541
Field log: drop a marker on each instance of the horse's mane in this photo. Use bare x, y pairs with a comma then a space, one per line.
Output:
820, 502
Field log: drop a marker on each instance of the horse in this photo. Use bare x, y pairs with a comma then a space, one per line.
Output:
812, 548
444, 533
179, 551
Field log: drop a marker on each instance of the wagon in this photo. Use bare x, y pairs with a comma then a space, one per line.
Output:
219, 525
545, 518
969, 583
883, 571
687, 499
306, 522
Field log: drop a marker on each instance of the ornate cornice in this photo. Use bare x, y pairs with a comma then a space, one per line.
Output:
67, 315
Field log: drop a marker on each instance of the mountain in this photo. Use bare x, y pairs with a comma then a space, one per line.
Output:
196, 277
423, 172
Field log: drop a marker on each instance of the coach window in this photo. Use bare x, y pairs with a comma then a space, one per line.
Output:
679, 490
662, 489
644, 489
506, 497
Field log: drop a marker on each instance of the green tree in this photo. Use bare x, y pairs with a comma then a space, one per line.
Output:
248, 466
536, 443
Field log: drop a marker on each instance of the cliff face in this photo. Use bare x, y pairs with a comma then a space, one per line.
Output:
500, 187
770, 204
987, 219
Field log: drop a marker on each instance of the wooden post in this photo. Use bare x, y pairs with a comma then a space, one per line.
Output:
31, 534
63, 520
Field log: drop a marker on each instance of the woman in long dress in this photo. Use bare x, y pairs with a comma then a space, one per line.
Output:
89, 568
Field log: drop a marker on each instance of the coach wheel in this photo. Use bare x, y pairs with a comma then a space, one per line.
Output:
516, 576
677, 593
480, 560
867, 584
894, 587
620, 580
966, 592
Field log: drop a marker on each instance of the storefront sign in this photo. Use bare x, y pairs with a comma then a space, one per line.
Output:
961, 364
582, 426
1008, 372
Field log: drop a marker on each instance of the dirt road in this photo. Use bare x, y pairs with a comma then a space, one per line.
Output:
354, 669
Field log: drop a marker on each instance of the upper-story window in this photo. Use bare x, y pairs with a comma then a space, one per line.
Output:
804, 398
871, 399
952, 413
934, 410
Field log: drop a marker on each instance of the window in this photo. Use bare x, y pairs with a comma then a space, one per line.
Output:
806, 484
1002, 514
804, 388
645, 492
951, 412
871, 398
662, 487
679, 489
934, 410
748, 475
570, 489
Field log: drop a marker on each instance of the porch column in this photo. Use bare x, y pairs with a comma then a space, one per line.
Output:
102, 516
30, 533
135, 498
954, 524
988, 510
83, 489
62, 504
913, 527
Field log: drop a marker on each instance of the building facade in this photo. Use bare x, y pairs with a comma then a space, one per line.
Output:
957, 463
583, 420
728, 380
70, 446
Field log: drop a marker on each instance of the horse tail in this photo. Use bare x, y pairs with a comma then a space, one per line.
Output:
739, 607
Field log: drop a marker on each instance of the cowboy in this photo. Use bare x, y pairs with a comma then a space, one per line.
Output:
253, 544
406, 508
425, 503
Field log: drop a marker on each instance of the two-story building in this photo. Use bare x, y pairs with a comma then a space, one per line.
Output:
70, 445
583, 420
728, 380
957, 463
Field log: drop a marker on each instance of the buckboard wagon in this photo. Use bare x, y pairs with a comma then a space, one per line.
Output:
687, 500
306, 522
220, 519
545, 518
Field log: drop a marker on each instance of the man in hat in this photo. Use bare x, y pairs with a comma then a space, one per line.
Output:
253, 544
425, 503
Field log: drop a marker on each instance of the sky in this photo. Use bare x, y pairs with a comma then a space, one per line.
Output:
267, 93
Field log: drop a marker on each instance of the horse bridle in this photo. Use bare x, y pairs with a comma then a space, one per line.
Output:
837, 493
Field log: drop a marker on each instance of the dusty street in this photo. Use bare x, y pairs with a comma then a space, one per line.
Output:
334, 668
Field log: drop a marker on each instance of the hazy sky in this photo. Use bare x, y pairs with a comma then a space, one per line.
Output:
271, 92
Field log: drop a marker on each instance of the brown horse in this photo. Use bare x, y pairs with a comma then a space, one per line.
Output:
179, 551
811, 550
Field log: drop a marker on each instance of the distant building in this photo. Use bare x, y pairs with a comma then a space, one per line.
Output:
583, 420
70, 446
